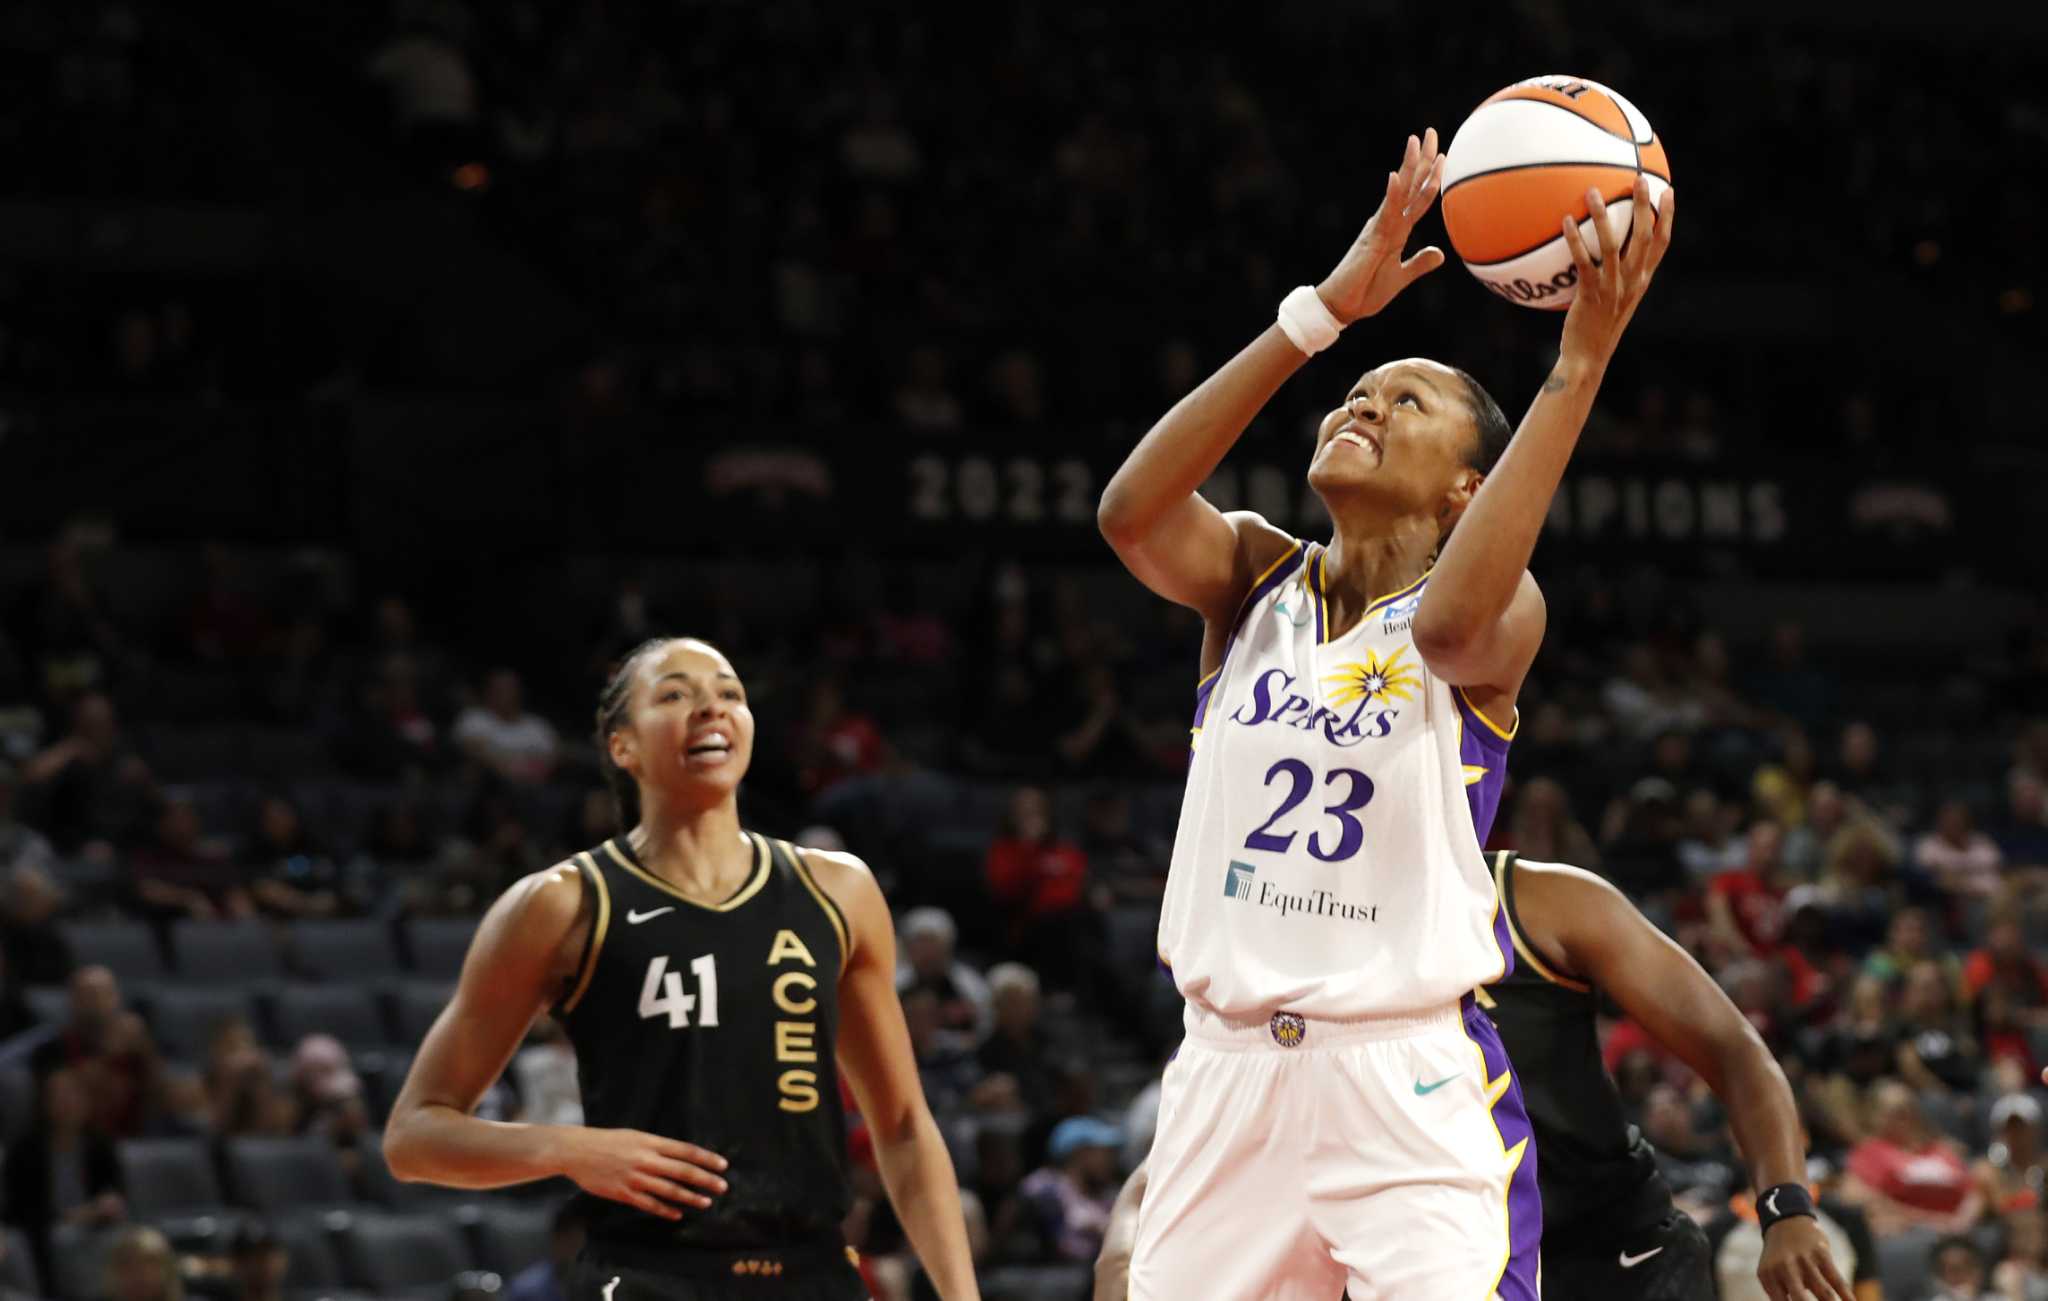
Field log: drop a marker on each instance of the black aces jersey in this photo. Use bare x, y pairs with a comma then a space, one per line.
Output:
1597, 1173
716, 1025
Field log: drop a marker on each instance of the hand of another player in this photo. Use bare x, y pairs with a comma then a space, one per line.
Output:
1796, 1263
1609, 293
642, 1170
1372, 273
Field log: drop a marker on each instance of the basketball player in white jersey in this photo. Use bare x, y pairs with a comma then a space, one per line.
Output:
1339, 1115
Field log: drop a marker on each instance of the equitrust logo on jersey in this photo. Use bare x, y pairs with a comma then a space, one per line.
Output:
1240, 882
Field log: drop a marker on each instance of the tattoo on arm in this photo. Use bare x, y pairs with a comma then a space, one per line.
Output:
1554, 383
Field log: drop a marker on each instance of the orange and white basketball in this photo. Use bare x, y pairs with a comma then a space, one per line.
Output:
1525, 159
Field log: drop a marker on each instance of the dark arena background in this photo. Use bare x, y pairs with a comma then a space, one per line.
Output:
372, 377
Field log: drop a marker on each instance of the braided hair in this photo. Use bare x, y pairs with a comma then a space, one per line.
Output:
614, 703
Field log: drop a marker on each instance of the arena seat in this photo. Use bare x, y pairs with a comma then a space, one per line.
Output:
1037, 1283
168, 1177
388, 1254
1905, 1262
78, 1261
17, 1102
342, 950
279, 1175
438, 945
507, 1236
183, 1018
415, 1005
125, 948
348, 1012
225, 953
313, 1265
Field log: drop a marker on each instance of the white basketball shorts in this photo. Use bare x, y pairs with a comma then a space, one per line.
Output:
1295, 1159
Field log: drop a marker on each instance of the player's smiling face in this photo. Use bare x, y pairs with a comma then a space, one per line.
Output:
1401, 434
690, 726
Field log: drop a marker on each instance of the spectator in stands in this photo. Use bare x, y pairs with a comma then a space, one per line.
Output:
502, 738
945, 1058
1958, 1270
1639, 842
134, 1093
1018, 1047
397, 857
67, 632
928, 962
288, 874
1070, 1197
1806, 840
1861, 772
389, 736
327, 1095
1710, 844
240, 1086
1745, 904
1849, 1057
1041, 881
1908, 942
1700, 1169
91, 790
1959, 858
183, 874
543, 1075
258, 1262
2022, 835
1936, 1049
1860, 884
2022, 1273
20, 844
2002, 1030
1545, 830
2014, 1170
221, 625
1781, 786
95, 1003
1905, 1175
63, 1170
925, 401
142, 1267
548, 1279
2004, 961
30, 902
834, 741
1130, 865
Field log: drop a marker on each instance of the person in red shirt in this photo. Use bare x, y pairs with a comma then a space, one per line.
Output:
1041, 883
835, 741
1905, 1175
2004, 961
1745, 905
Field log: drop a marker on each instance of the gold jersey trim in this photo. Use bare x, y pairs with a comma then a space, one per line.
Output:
598, 930
747, 891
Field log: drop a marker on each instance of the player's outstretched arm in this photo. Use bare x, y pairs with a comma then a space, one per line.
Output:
1119, 1240
1153, 512
524, 954
1481, 618
875, 1054
1602, 939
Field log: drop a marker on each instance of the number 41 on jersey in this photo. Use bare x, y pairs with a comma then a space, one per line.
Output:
662, 992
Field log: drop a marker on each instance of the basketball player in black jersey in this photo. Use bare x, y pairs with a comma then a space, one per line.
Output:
709, 979
1610, 1229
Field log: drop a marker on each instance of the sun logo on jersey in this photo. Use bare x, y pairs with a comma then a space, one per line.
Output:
1373, 679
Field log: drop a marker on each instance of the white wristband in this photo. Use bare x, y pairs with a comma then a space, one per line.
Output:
1307, 322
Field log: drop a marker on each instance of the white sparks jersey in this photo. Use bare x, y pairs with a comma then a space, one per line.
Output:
1328, 858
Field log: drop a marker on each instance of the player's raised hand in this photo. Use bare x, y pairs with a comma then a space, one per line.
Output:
642, 1170
1610, 290
1372, 272
1796, 1263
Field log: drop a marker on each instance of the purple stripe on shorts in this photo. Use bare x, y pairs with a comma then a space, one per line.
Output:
1525, 1203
